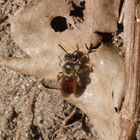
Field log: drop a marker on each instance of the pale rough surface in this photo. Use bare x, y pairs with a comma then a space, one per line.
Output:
32, 32
105, 15
97, 100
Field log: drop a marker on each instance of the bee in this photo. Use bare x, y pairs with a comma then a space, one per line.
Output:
75, 71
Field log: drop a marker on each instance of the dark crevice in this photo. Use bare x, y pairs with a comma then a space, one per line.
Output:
113, 38
112, 94
120, 28
106, 37
11, 122
76, 117
14, 114
86, 127
121, 5
120, 25
36, 133
116, 109
4, 19
59, 24
78, 10
33, 107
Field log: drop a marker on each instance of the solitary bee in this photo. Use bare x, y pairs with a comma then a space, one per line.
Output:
75, 71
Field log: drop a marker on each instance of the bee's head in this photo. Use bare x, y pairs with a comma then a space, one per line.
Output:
72, 57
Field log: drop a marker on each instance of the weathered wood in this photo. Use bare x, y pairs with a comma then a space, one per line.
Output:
131, 106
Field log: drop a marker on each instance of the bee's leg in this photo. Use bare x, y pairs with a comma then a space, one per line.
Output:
78, 80
59, 76
90, 66
84, 70
88, 50
92, 48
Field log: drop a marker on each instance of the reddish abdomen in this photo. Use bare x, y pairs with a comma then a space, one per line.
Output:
67, 86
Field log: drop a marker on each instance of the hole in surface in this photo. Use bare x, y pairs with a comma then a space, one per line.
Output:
106, 37
78, 10
59, 24
120, 28
116, 109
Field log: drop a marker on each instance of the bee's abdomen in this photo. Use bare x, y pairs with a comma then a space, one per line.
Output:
68, 86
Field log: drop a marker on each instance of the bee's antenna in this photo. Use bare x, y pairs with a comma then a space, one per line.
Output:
86, 46
62, 48
90, 50
77, 47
